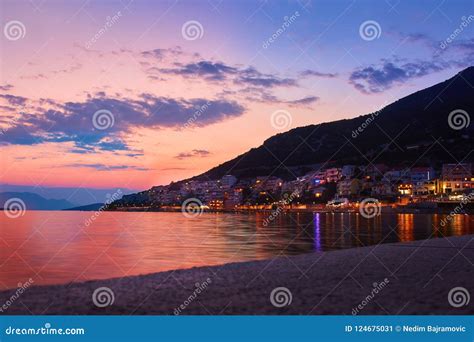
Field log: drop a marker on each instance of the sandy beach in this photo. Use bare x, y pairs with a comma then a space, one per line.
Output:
396, 279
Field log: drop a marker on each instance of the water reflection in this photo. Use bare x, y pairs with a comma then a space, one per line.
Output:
405, 227
56, 247
317, 231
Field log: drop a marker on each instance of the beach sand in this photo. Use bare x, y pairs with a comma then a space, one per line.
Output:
416, 277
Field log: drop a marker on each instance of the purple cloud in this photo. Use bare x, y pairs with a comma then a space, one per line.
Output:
304, 101
74, 121
205, 69
193, 153
14, 100
104, 167
159, 53
256, 94
314, 73
218, 71
6, 87
376, 79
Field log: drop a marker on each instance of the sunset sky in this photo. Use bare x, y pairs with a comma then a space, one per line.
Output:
187, 85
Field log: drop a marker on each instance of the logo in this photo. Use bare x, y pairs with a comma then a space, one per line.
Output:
192, 30
370, 30
370, 207
103, 119
14, 30
280, 297
458, 296
14, 207
192, 208
458, 119
281, 119
102, 297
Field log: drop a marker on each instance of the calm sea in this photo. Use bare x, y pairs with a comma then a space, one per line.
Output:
53, 247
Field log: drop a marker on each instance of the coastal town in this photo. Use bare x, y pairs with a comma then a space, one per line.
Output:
330, 188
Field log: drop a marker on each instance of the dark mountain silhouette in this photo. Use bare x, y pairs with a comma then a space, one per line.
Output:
418, 125
413, 131
35, 202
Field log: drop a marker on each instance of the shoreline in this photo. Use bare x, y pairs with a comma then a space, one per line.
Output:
384, 210
418, 277
446, 209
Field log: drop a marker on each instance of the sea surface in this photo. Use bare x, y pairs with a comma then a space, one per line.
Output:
55, 247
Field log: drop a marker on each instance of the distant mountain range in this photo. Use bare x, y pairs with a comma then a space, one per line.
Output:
35, 202
412, 130
78, 196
